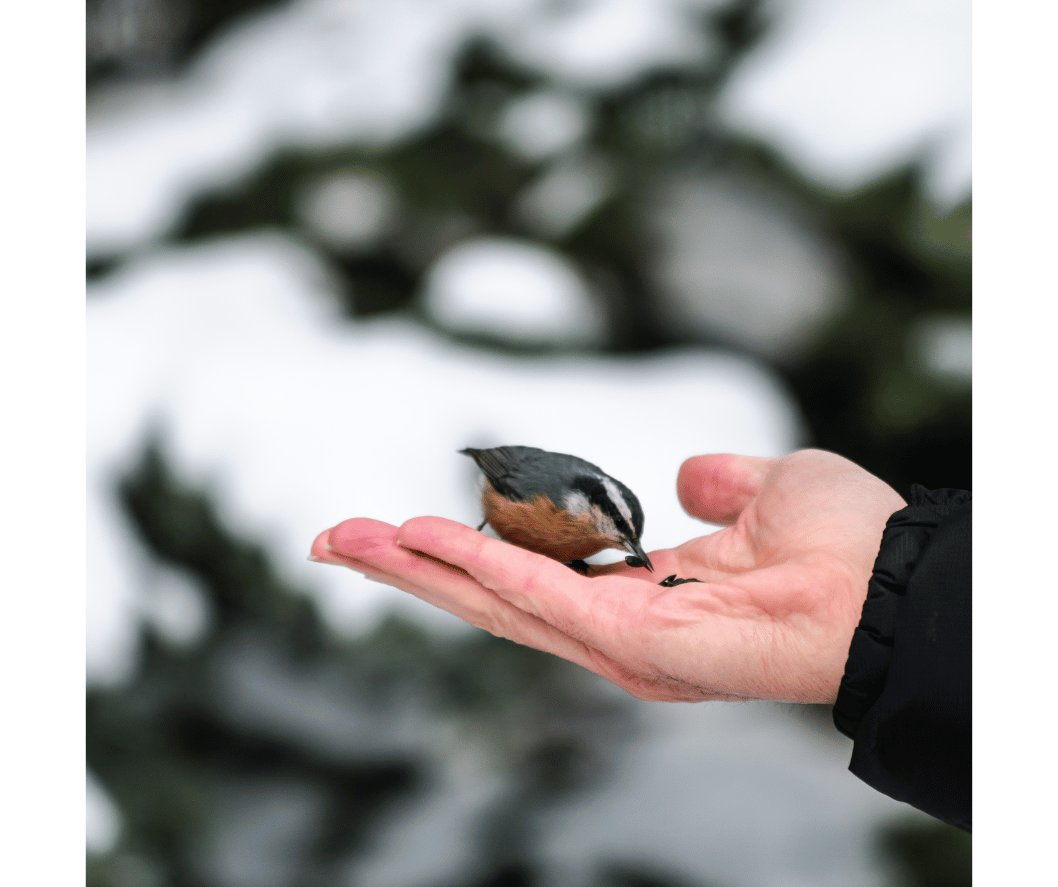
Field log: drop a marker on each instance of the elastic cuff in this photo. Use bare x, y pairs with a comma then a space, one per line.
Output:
907, 534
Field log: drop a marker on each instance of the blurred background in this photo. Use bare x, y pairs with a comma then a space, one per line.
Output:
331, 242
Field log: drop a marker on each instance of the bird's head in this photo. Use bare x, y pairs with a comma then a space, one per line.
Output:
613, 510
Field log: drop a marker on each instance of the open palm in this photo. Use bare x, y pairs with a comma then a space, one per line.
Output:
780, 588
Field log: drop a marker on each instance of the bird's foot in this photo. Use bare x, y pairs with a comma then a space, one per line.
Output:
634, 561
580, 566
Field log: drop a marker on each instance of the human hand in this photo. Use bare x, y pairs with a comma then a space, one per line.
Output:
781, 585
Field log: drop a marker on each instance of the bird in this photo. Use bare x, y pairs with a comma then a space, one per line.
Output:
558, 505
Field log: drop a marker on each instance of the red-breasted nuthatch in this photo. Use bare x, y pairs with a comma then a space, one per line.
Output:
558, 505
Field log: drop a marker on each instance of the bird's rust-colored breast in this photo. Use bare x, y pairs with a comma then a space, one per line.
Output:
540, 526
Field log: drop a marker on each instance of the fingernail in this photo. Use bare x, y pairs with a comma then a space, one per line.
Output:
325, 560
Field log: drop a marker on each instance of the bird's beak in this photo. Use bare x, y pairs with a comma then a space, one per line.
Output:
637, 550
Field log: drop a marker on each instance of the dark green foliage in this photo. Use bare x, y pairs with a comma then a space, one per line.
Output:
934, 855
862, 392
165, 743
137, 37
860, 388
173, 743
639, 875
176, 742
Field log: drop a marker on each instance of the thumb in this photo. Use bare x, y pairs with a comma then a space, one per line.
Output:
716, 487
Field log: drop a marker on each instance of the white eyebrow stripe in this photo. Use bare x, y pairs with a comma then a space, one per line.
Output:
615, 496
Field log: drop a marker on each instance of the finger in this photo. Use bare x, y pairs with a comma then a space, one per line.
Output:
604, 613
716, 488
371, 547
521, 577
375, 542
321, 550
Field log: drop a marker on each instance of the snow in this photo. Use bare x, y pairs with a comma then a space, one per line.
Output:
515, 289
542, 124
738, 261
849, 90
311, 74
102, 819
732, 783
295, 419
740, 794
603, 43
350, 211
565, 195
943, 345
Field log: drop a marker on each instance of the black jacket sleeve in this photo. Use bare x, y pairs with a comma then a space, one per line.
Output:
905, 696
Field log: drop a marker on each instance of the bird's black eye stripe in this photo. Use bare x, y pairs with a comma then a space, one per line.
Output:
596, 493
